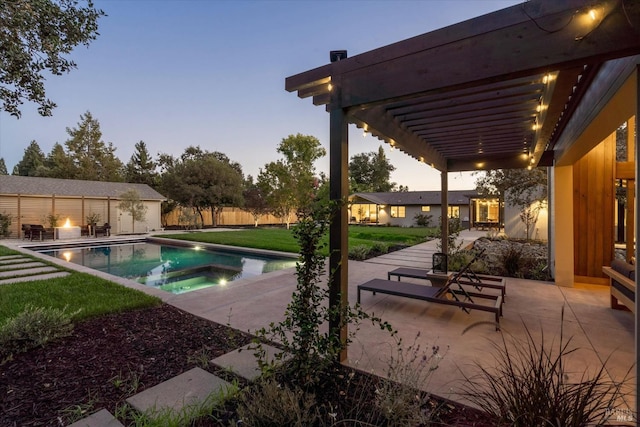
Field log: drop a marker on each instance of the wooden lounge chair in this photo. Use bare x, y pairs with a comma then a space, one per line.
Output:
465, 276
105, 230
39, 232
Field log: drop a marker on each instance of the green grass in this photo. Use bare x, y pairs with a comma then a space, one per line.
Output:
6, 251
91, 295
280, 239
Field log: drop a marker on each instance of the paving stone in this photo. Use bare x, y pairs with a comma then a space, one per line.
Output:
5, 267
27, 272
14, 259
102, 418
190, 388
34, 277
3, 257
242, 361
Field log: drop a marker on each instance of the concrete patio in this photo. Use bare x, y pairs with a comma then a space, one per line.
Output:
602, 334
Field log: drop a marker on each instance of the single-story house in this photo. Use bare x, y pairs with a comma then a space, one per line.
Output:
401, 208
32, 200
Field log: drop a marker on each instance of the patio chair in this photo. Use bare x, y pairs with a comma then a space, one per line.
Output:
105, 230
466, 276
39, 232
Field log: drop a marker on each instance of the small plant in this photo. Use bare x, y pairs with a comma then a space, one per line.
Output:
200, 358
512, 261
455, 245
271, 404
93, 218
359, 252
530, 386
5, 223
310, 350
52, 219
422, 220
34, 327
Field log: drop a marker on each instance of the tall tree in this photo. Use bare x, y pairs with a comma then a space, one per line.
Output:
370, 172
37, 35
59, 164
130, 202
290, 184
141, 168
3, 167
93, 158
32, 161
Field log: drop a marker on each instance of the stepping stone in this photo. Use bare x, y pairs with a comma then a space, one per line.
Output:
3, 257
4, 267
27, 272
243, 362
14, 259
34, 277
102, 418
187, 389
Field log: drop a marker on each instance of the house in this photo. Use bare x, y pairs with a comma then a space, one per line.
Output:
401, 208
544, 83
30, 200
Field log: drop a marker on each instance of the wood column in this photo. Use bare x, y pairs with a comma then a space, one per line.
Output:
631, 191
444, 203
635, 131
338, 229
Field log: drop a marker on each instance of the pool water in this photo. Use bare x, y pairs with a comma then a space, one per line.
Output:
175, 269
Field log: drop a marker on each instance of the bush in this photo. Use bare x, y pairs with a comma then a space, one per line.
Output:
512, 261
530, 386
34, 327
5, 223
422, 220
359, 252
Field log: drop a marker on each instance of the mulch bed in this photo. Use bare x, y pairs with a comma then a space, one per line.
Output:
108, 359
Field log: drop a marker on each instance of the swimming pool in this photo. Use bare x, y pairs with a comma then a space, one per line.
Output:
175, 269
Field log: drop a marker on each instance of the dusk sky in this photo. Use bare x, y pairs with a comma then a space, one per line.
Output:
212, 73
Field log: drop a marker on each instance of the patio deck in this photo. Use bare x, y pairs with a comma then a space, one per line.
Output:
597, 330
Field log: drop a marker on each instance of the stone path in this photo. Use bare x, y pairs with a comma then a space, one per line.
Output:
19, 268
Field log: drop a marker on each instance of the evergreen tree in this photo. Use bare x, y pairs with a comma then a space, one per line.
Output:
370, 172
59, 164
93, 158
141, 168
3, 167
32, 161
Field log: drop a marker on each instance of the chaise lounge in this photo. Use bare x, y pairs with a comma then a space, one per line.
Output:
622, 284
451, 293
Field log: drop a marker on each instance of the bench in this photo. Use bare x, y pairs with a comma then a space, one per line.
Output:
622, 284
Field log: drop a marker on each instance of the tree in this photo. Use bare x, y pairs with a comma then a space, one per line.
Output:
141, 168
36, 36
201, 180
524, 188
130, 202
290, 184
58, 164
32, 161
370, 172
3, 167
93, 159
254, 200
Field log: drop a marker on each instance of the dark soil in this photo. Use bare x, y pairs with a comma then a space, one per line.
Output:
111, 358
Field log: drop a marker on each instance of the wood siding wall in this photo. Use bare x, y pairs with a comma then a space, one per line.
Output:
229, 216
593, 207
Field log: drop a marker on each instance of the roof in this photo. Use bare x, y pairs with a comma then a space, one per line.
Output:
35, 186
407, 198
496, 91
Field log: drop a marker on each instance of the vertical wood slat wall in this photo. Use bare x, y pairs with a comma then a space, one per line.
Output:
593, 207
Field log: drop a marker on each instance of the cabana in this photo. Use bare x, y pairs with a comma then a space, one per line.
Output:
540, 84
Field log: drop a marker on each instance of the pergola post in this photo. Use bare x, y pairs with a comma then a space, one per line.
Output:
444, 202
338, 229
637, 235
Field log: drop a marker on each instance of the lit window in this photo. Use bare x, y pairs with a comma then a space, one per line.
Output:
397, 212
454, 211
426, 209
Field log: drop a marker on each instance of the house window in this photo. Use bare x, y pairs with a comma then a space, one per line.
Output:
397, 212
454, 211
364, 213
426, 209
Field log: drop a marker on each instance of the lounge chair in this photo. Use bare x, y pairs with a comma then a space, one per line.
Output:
451, 293
38, 232
466, 276
105, 230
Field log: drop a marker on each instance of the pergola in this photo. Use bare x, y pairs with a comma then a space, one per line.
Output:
498, 91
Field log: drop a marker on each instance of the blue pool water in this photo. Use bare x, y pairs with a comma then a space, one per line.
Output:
175, 269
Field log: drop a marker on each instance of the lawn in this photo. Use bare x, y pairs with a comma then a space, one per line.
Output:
91, 295
280, 239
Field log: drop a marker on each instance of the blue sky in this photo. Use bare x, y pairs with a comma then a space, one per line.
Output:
211, 73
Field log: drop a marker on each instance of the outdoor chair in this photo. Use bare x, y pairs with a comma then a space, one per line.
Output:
466, 276
38, 232
105, 230
452, 291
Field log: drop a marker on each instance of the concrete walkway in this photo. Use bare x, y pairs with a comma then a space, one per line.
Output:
464, 340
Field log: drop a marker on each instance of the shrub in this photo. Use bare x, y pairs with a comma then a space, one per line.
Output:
422, 220
359, 252
34, 327
530, 386
511, 258
271, 404
5, 223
